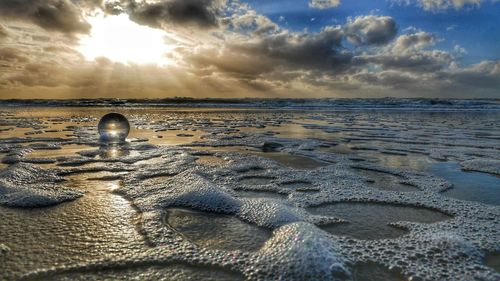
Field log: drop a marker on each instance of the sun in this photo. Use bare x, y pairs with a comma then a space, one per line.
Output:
122, 40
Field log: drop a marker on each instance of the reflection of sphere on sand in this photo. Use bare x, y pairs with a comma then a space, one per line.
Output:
113, 151
113, 128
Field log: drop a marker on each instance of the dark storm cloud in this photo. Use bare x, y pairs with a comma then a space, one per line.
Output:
284, 50
367, 30
312, 50
56, 15
199, 13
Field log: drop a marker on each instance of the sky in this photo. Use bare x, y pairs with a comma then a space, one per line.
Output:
65, 49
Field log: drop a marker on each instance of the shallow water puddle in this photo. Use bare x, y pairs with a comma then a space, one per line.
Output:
166, 137
493, 260
385, 181
292, 131
375, 272
217, 231
98, 225
411, 161
167, 272
285, 159
66, 150
341, 148
471, 186
229, 148
2, 165
293, 161
210, 160
369, 221
18, 132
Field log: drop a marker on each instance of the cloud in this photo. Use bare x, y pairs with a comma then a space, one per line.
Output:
411, 42
238, 52
254, 46
323, 4
3, 32
484, 75
367, 30
408, 52
459, 50
451, 27
425, 61
229, 72
441, 5
250, 58
54, 15
198, 13
12, 55
243, 19
433, 5
392, 79
318, 50
474, 82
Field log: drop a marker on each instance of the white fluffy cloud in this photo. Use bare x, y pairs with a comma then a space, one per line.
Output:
367, 30
411, 42
323, 4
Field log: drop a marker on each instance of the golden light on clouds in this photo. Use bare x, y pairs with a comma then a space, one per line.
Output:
121, 40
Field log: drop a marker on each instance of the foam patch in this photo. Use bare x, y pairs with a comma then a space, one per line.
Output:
26, 185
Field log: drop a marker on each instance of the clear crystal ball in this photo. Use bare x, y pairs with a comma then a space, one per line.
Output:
113, 128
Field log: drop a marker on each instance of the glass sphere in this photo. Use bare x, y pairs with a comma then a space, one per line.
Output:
113, 128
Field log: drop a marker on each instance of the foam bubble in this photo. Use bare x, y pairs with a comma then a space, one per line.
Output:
3, 249
482, 165
26, 185
297, 251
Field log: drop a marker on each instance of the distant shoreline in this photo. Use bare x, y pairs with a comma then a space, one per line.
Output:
278, 103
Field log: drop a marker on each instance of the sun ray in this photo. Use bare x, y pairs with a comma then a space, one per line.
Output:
122, 40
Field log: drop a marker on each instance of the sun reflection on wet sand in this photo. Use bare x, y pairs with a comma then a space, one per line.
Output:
100, 224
